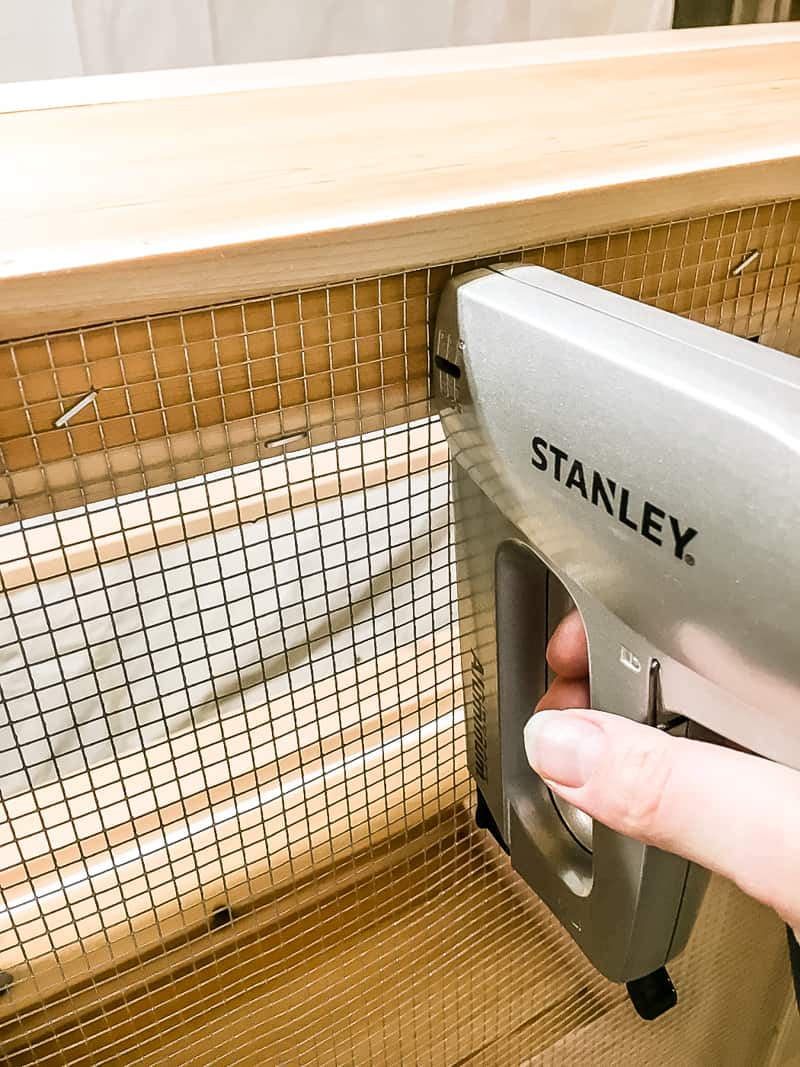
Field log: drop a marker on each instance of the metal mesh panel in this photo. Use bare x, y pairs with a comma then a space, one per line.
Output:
175, 396
236, 814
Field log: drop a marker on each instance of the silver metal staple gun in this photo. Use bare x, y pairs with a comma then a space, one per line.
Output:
639, 465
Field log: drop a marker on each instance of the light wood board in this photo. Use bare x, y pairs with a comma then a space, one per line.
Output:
123, 208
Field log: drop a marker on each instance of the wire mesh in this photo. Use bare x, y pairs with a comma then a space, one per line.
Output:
236, 813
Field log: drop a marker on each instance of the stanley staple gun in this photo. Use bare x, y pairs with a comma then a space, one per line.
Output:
637, 464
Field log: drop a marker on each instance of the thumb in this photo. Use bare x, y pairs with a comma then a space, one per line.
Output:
731, 812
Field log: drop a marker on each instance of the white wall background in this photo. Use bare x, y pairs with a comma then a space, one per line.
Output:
59, 38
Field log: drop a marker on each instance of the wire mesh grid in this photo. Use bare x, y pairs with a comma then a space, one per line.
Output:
236, 813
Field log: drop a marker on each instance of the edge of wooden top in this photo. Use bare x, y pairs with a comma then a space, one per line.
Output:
140, 233
244, 77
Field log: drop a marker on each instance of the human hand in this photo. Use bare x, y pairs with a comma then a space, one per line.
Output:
729, 811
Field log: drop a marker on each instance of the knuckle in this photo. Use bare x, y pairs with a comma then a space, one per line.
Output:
643, 785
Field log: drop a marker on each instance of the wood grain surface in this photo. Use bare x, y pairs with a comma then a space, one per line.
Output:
150, 205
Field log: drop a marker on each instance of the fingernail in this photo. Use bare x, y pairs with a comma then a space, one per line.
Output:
562, 747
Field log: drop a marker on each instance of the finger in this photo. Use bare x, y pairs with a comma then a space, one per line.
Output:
567, 652
565, 693
731, 812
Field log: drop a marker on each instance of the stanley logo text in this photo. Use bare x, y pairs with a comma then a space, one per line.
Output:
646, 518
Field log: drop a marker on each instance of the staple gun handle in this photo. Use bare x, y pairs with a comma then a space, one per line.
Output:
622, 901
